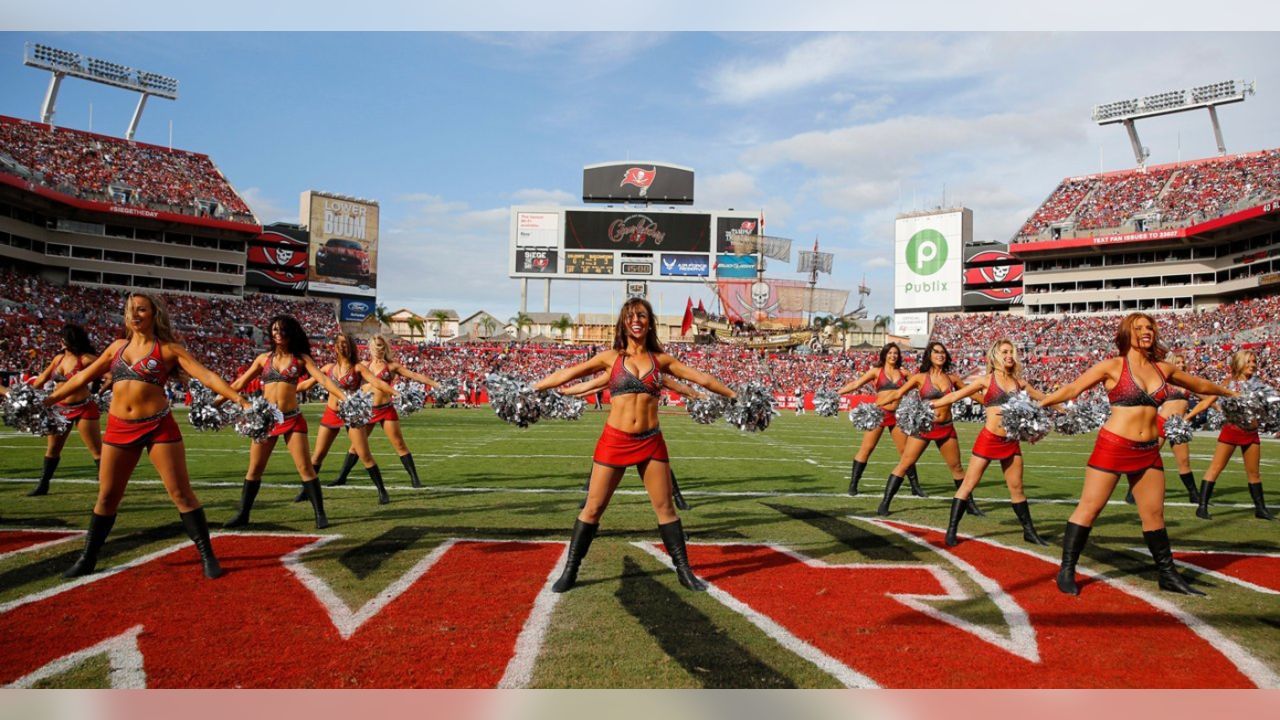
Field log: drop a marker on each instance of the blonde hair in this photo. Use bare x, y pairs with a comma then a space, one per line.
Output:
161, 327
378, 341
1238, 359
1016, 373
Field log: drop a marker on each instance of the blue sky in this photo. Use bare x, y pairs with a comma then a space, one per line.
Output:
832, 134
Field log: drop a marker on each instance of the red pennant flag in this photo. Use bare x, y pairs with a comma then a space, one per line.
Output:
688, 317
700, 308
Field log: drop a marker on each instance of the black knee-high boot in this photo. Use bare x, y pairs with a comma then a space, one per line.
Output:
1158, 544
972, 508
1260, 510
347, 465
1128, 496
953, 523
890, 489
1206, 492
673, 537
99, 527
676, 497
46, 474
1073, 540
197, 528
312, 489
1189, 482
407, 461
579, 544
913, 479
1023, 511
375, 474
855, 475
302, 493
248, 493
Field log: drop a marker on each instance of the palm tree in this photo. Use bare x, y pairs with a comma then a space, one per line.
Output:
882, 321
441, 317
489, 324
521, 321
416, 327
564, 324
383, 315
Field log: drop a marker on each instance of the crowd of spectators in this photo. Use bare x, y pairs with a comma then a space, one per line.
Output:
1172, 194
107, 169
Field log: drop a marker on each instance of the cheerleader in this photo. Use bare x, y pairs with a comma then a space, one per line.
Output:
349, 373
636, 365
80, 408
1003, 379
383, 364
888, 376
281, 370
139, 419
1176, 404
934, 381
1137, 382
1243, 366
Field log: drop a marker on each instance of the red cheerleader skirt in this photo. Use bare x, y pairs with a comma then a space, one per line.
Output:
1238, 436
86, 409
382, 413
1160, 423
991, 446
293, 422
146, 432
331, 420
1115, 454
618, 449
890, 420
940, 432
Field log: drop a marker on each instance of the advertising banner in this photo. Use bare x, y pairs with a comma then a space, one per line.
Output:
344, 244
276, 280
928, 255
685, 265
537, 229
727, 227
638, 182
535, 260
586, 263
911, 324
992, 277
735, 266
355, 309
642, 230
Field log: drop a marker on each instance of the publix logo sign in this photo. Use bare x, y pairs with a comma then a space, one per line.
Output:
926, 252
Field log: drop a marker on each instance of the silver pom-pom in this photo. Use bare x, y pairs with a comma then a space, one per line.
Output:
513, 400
708, 409
1023, 419
256, 421
1212, 420
753, 409
562, 407
1253, 408
103, 399
915, 416
411, 398
826, 403
867, 416
205, 415
1078, 417
357, 409
1177, 430
447, 391
25, 410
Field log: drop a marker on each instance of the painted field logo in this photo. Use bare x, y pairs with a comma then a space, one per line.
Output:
926, 252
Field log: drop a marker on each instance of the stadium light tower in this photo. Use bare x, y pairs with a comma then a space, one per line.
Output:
63, 63
1208, 96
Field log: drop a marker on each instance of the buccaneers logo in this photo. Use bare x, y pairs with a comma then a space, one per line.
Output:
640, 178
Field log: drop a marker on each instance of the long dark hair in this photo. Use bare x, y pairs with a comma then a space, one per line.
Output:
295, 338
620, 330
352, 357
76, 340
884, 355
927, 363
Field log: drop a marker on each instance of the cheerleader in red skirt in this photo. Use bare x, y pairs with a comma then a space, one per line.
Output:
383, 364
636, 365
887, 376
1176, 404
139, 419
1243, 366
934, 381
281, 370
80, 408
1003, 379
1137, 381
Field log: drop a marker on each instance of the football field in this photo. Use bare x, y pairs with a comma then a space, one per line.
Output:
448, 586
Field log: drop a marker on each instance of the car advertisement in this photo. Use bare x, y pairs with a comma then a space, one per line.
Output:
344, 243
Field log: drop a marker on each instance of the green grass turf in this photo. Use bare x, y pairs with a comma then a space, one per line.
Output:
629, 623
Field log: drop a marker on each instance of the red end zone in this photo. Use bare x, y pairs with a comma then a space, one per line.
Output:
1256, 571
12, 541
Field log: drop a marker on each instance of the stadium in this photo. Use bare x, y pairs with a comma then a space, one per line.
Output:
449, 584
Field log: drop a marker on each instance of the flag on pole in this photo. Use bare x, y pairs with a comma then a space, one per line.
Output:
687, 323
700, 308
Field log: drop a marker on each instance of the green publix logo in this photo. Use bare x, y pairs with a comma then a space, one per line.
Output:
926, 254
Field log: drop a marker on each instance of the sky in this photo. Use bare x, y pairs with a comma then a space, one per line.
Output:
831, 134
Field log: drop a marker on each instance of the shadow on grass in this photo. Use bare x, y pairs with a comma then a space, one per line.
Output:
690, 638
116, 545
848, 535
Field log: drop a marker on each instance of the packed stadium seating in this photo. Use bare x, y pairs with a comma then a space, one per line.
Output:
87, 165
1172, 194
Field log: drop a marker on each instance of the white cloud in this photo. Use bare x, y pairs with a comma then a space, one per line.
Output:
266, 209
538, 196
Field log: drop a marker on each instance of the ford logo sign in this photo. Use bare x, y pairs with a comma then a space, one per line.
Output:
358, 307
